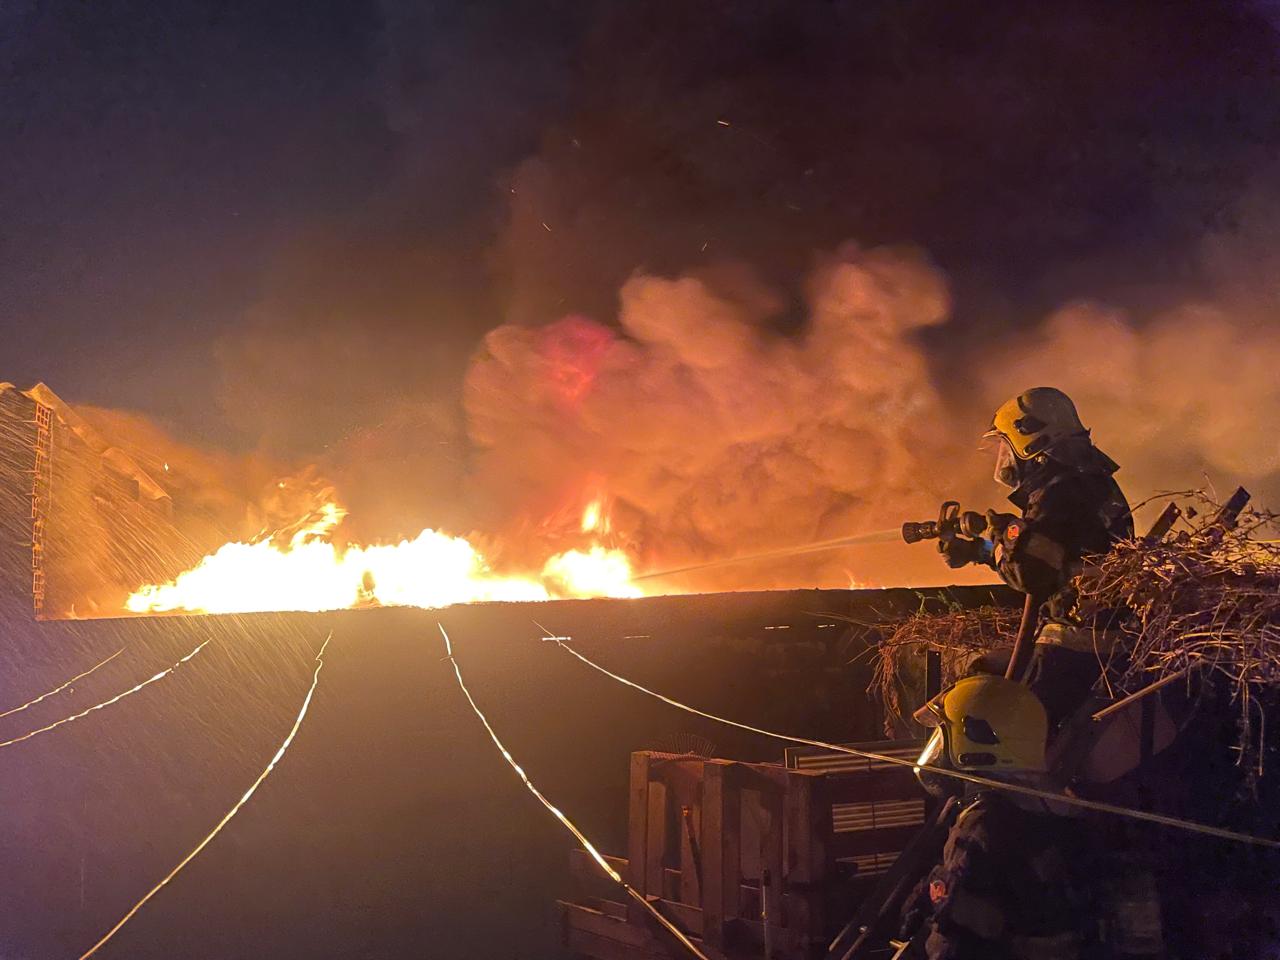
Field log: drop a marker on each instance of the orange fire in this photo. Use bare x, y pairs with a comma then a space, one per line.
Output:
595, 517
434, 569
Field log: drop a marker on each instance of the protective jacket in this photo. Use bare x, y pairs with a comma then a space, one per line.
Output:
1068, 513
1007, 887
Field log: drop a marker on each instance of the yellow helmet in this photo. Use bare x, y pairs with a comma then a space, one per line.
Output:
1036, 420
987, 723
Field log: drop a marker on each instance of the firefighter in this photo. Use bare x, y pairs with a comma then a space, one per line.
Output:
1071, 508
1009, 886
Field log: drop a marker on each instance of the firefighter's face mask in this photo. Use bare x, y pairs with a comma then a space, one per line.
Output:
1008, 466
936, 754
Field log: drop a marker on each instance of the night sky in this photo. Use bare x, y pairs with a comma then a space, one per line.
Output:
236, 216
751, 272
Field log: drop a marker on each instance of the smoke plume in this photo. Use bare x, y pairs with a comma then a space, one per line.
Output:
1184, 400
591, 272
715, 434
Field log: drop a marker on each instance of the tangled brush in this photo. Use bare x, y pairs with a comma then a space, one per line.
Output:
960, 634
1203, 602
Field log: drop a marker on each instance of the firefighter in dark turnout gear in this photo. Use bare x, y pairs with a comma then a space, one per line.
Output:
1072, 508
1009, 884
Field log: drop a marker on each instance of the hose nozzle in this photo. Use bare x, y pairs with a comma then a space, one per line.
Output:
951, 523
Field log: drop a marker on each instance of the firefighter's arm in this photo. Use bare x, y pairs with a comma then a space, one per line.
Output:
1028, 553
965, 890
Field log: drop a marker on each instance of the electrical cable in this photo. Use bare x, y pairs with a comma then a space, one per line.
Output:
78, 676
1044, 795
297, 724
568, 824
106, 703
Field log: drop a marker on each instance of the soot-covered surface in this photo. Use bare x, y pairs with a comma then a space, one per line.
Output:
392, 828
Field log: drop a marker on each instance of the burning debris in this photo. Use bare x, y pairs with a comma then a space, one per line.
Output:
309, 571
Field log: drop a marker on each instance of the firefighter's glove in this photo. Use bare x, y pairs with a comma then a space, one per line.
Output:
961, 551
1004, 530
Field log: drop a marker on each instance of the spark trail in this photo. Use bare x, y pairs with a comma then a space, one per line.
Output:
106, 703
1043, 795
555, 811
56, 690
297, 724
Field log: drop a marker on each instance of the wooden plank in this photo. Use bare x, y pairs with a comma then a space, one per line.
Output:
610, 908
656, 845
820, 837
802, 900
713, 866
591, 933
721, 849
797, 814
685, 916
671, 884
764, 777
637, 829
583, 866
580, 917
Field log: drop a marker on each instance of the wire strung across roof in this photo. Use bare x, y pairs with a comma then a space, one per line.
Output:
1028, 791
297, 725
58, 689
568, 824
106, 703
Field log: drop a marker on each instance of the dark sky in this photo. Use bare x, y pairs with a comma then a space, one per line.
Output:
238, 216
158, 155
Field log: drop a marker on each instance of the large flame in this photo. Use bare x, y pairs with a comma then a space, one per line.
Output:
309, 572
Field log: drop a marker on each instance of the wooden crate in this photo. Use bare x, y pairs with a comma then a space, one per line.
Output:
740, 854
